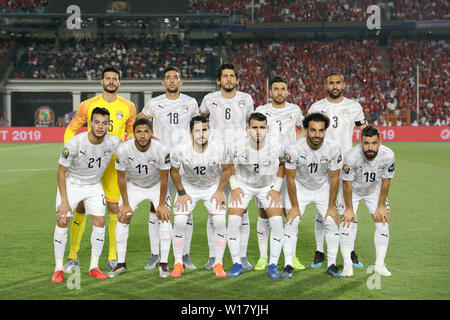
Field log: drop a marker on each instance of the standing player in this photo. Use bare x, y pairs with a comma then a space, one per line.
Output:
367, 173
201, 179
81, 166
170, 113
228, 110
122, 115
312, 176
143, 171
283, 118
344, 114
259, 171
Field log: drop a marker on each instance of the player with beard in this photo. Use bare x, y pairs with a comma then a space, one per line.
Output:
228, 110
170, 113
122, 115
312, 176
200, 174
143, 166
367, 171
81, 166
344, 115
285, 120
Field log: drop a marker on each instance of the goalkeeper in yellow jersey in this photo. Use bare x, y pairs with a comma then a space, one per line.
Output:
122, 116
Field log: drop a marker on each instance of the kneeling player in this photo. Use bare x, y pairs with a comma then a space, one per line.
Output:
201, 179
142, 167
259, 171
312, 176
367, 173
81, 166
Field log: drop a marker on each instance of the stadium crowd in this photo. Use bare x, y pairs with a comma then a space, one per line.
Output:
384, 85
266, 11
23, 6
137, 58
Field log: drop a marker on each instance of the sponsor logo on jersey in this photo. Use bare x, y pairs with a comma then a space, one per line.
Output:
391, 168
346, 168
119, 115
65, 153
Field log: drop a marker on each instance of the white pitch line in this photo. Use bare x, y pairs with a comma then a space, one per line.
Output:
28, 170
21, 147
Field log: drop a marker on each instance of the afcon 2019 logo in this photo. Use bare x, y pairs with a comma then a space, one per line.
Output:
44, 117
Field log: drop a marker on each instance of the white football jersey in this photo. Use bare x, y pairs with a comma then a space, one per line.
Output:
313, 166
255, 168
201, 170
86, 161
282, 121
343, 118
171, 117
366, 175
143, 167
227, 117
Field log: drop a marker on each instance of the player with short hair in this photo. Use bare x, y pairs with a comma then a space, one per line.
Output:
344, 115
170, 113
259, 171
122, 115
285, 120
202, 179
312, 176
367, 172
81, 166
228, 110
143, 166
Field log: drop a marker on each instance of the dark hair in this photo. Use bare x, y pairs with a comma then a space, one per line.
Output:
317, 117
198, 119
110, 69
142, 121
257, 116
335, 73
276, 79
370, 131
225, 66
98, 110
171, 68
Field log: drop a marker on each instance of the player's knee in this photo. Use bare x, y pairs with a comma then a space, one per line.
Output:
263, 214
113, 207
98, 221
331, 222
80, 208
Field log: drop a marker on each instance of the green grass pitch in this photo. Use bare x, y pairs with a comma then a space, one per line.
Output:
418, 255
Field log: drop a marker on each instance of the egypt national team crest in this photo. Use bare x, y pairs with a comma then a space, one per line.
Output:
242, 104
65, 153
324, 160
185, 109
119, 115
107, 152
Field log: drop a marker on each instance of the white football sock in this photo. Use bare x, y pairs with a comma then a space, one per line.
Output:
263, 231
319, 231
245, 234
354, 231
179, 233
381, 239
59, 241
165, 236
97, 241
153, 231
210, 234
290, 241
122, 231
234, 237
221, 237
188, 235
276, 238
332, 239
346, 242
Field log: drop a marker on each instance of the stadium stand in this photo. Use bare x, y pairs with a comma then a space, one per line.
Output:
23, 6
